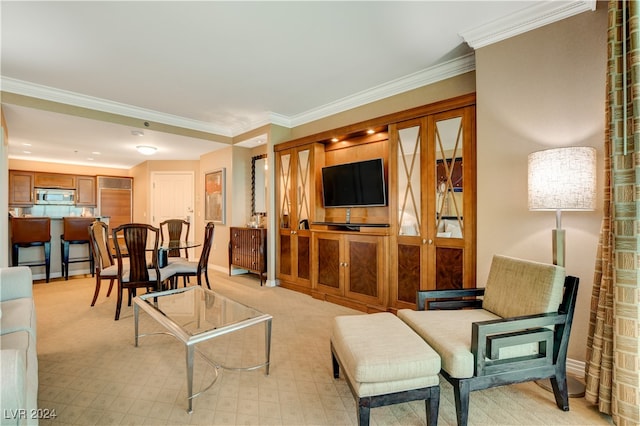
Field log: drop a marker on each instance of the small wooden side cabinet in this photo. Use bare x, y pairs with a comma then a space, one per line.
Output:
248, 250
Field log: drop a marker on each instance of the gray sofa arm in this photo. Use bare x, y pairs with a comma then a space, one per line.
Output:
15, 283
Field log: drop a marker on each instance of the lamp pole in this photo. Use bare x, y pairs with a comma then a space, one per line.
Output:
558, 237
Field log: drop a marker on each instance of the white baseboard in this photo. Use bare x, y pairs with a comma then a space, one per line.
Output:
575, 368
219, 268
272, 283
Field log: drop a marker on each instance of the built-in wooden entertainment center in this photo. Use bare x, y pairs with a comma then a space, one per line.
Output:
376, 258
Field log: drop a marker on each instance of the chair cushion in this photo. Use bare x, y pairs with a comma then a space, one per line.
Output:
111, 271
183, 266
449, 334
379, 347
165, 273
518, 287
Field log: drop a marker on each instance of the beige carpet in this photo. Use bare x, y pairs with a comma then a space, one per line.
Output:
91, 373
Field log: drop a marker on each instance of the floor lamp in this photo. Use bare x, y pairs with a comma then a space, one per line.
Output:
562, 179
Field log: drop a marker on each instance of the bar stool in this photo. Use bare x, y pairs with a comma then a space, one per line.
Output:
75, 230
31, 232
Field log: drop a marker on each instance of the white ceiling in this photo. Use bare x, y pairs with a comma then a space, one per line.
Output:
225, 68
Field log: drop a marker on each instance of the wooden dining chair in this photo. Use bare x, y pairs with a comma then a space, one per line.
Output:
184, 268
175, 230
138, 239
105, 266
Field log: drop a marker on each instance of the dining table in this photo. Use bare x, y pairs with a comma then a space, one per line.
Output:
163, 248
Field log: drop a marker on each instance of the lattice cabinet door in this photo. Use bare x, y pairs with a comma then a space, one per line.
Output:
432, 169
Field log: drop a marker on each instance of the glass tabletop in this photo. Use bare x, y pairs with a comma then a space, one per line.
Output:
177, 244
198, 312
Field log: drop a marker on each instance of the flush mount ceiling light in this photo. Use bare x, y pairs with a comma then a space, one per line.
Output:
146, 149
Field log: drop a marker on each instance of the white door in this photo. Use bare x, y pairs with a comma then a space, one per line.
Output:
172, 197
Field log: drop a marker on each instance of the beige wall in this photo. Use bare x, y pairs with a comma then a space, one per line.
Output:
209, 162
142, 181
542, 89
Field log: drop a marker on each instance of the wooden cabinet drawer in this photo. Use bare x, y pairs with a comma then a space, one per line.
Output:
248, 249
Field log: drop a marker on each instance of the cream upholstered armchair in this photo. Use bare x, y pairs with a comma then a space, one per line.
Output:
518, 332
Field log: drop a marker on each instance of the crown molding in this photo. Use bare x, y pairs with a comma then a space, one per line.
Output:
418, 79
528, 19
266, 119
427, 76
38, 91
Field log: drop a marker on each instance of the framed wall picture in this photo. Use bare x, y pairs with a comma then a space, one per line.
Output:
214, 196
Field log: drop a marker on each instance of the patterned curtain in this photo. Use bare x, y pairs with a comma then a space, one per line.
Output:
613, 346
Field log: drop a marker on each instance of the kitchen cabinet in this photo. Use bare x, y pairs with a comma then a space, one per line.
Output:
54, 180
296, 200
248, 250
21, 188
86, 191
350, 268
115, 199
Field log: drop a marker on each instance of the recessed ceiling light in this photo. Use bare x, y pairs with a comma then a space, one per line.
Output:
26, 152
26, 144
137, 133
146, 149
370, 131
96, 153
335, 140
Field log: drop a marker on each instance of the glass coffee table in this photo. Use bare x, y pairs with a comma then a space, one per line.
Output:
195, 314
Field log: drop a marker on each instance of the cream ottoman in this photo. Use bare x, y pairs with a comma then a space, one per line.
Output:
385, 362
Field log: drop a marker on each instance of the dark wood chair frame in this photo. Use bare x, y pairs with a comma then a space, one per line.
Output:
135, 237
203, 262
487, 337
175, 229
99, 255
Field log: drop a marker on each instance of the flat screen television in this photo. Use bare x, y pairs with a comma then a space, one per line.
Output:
358, 184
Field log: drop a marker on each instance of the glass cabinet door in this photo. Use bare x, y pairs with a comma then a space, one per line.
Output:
294, 213
433, 163
304, 194
449, 204
285, 190
303, 191
451, 248
410, 153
